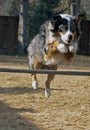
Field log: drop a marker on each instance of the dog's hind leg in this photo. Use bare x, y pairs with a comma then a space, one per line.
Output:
37, 65
34, 81
50, 77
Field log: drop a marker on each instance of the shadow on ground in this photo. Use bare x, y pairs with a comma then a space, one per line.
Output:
19, 90
10, 118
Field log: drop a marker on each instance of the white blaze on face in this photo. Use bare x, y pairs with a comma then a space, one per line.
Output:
68, 36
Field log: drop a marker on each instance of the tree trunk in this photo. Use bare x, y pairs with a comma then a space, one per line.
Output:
23, 26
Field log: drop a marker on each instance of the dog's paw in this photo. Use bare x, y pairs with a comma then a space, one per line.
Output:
73, 48
62, 48
35, 84
47, 92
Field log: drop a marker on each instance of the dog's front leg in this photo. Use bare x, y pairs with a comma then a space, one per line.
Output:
62, 48
47, 89
50, 77
73, 47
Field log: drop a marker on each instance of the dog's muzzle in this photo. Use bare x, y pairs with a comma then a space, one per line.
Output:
67, 38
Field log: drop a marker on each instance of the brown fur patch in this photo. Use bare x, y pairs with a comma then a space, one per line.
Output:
68, 56
62, 33
54, 52
56, 34
53, 49
41, 65
34, 77
75, 35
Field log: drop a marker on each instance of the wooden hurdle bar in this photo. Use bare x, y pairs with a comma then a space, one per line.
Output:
77, 73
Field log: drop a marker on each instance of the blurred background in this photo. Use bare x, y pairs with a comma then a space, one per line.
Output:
20, 21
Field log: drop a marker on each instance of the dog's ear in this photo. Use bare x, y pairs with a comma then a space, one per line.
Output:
79, 17
55, 18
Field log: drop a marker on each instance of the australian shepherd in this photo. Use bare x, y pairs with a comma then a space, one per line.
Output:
56, 41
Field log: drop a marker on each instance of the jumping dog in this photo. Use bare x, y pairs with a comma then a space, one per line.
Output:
56, 41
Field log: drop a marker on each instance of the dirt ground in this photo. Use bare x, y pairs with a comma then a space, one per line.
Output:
22, 108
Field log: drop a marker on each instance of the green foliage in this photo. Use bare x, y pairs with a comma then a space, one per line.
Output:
39, 13
12, 7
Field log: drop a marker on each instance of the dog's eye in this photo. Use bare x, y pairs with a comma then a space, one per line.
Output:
73, 27
62, 28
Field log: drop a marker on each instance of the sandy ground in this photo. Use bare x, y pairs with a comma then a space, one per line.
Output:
22, 108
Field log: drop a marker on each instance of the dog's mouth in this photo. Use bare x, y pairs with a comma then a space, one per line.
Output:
68, 39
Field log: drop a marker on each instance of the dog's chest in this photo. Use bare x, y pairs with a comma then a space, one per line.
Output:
56, 58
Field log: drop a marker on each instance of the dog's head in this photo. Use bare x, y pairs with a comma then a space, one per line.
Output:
67, 26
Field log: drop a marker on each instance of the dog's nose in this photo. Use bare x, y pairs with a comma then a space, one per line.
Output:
70, 37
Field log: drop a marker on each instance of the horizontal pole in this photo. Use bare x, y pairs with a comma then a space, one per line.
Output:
80, 73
